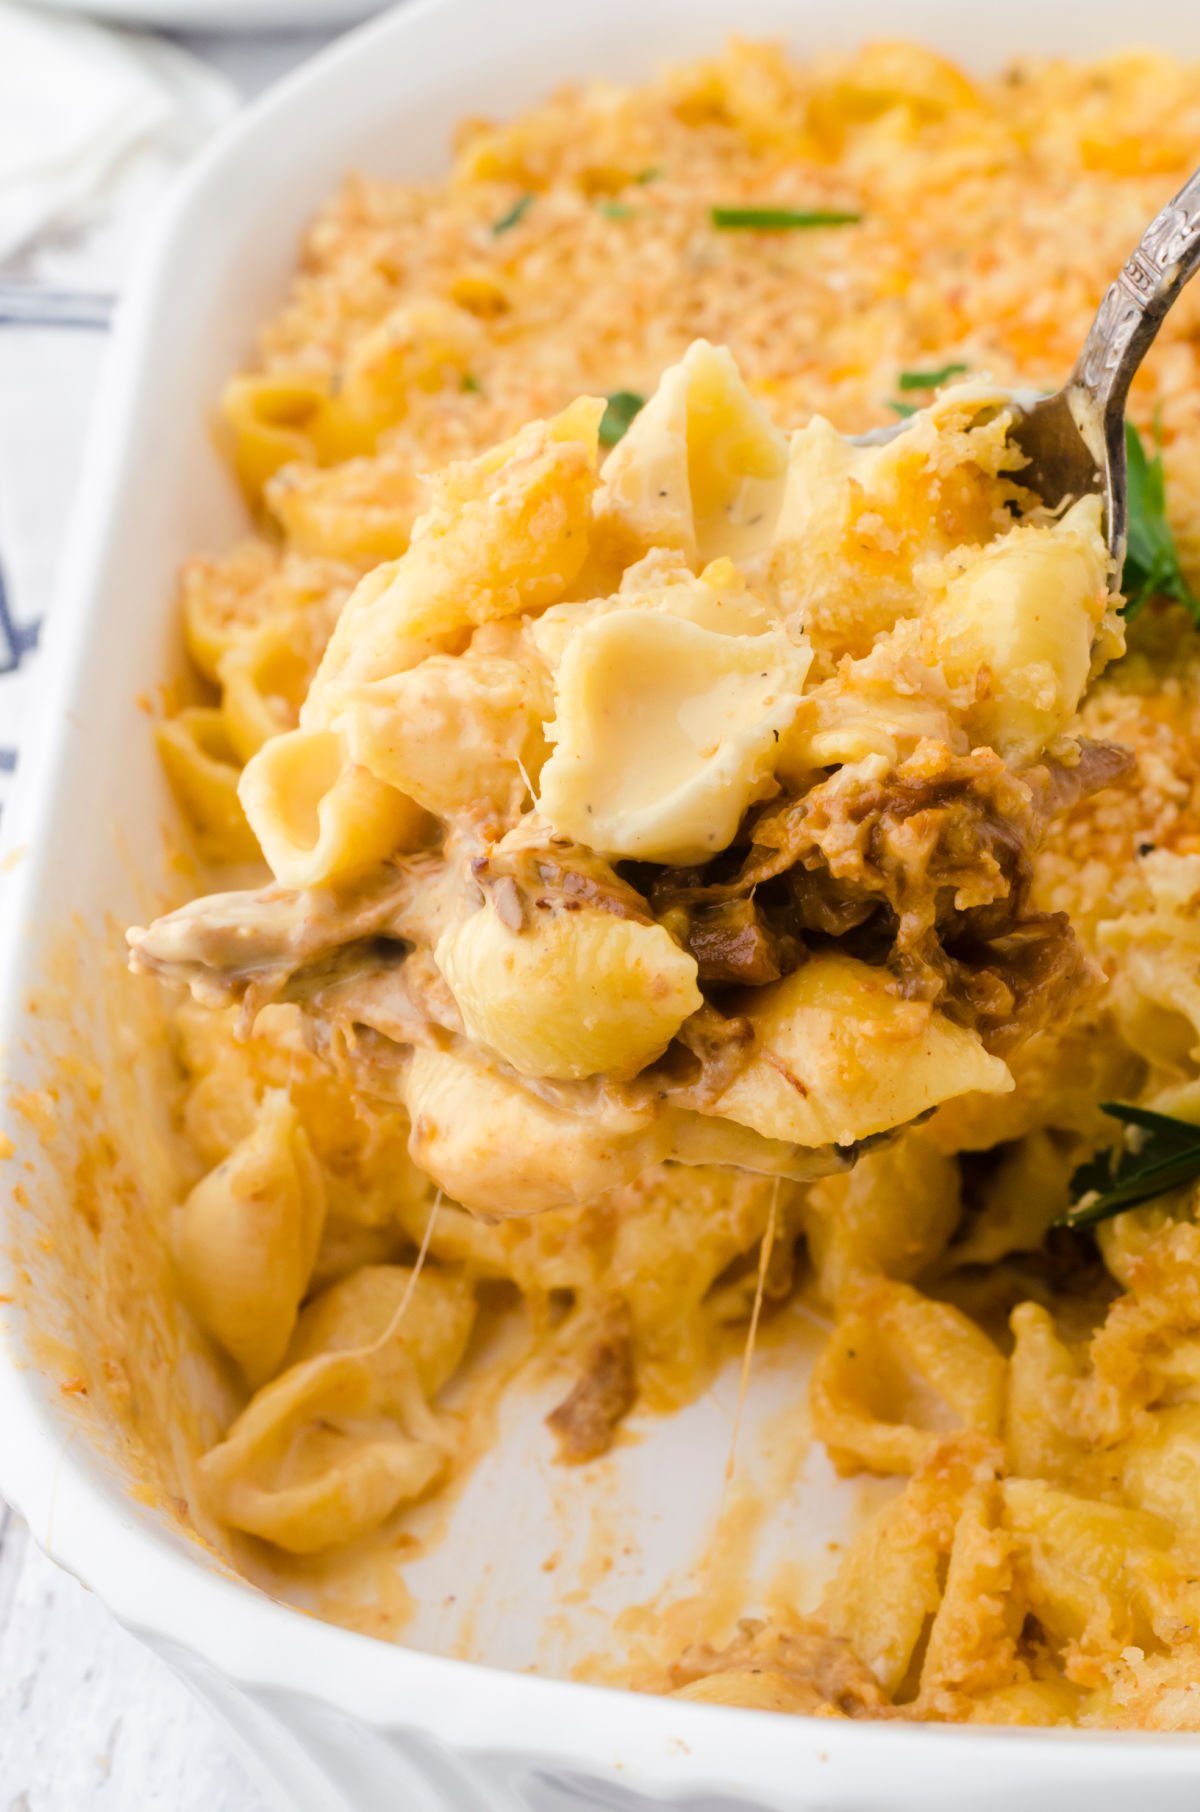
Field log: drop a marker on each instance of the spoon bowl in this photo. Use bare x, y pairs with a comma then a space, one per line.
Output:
1074, 440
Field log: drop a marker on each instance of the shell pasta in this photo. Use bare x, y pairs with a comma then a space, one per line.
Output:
676, 915
715, 870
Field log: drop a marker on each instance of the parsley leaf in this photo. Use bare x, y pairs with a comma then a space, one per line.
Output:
774, 219
650, 174
617, 419
616, 210
929, 380
516, 213
1164, 1154
471, 384
1152, 567
903, 409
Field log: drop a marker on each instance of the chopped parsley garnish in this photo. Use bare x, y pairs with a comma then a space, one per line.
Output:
903, 409
616, 210
929, 380
617, 419
471, 384
777, 219
1152, 568
650, 174
1161, 1153
516, 213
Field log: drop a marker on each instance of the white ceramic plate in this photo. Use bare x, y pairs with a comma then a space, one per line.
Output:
222, 15
336, 1722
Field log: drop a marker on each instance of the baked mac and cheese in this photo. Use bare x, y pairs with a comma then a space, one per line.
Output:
710, 859
624, 841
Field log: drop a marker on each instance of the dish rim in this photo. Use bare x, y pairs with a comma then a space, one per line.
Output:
172, 1597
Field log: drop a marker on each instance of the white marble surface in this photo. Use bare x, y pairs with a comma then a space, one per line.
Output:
89, 1720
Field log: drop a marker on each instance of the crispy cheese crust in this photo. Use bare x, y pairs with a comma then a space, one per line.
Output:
928, 807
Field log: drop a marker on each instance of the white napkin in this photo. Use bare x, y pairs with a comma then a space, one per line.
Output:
94, 124
80, 105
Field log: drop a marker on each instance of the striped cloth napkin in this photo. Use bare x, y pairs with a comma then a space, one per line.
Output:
94, 125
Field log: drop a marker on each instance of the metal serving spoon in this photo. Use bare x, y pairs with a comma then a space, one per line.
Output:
1075, 439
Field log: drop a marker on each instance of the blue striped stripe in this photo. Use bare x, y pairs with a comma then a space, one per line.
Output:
77, 323
17, 640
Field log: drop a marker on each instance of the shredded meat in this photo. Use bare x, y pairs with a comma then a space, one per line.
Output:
926, 868
1014, 986
721, 1046
554, 875
734, 943
226, 944
587, 1419
940, 835
1100, 764
401, 995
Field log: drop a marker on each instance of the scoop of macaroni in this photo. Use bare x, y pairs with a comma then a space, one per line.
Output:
676, 810
713, 889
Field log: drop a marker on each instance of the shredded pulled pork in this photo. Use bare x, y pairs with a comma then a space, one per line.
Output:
734, 943
708, 1053
1013, 985
555, 875
926, 867
585, 1422
224, 945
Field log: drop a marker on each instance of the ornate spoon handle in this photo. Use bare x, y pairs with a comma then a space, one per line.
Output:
1134, 308
1127, 322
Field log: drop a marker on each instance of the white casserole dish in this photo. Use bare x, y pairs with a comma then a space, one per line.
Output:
333, 1720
